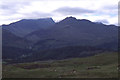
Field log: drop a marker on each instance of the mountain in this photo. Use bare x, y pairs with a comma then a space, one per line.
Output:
14, 47
26, 26
11, 40
74, 32
68, 38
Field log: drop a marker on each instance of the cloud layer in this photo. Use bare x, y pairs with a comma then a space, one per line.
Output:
94, 10
72, 11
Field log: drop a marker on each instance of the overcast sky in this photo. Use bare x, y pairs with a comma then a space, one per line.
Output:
105, 11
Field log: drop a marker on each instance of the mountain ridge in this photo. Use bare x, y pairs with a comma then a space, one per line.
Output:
58, 38
75, 31
26, 26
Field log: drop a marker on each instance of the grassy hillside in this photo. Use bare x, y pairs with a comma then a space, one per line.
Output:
98, 66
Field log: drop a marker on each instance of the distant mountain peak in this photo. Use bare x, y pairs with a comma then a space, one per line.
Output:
72, 18
68, 20
85, 20
45, 19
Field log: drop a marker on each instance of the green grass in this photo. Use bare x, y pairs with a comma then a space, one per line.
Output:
64, 68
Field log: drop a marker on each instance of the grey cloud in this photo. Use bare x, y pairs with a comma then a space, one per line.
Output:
36, 15
8, 9
32, 15
111, 7
110, 10
103, 21
11, 8
4, 7
72, 11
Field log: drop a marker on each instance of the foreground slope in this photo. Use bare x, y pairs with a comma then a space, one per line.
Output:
98, 66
